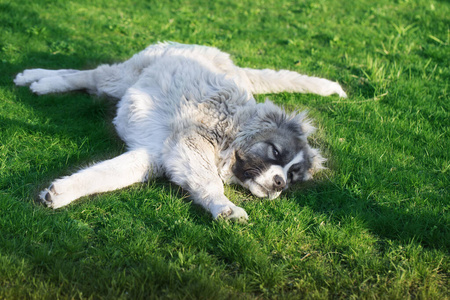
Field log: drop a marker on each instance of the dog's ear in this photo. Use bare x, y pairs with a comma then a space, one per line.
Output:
300, 124
273, 116
270, 115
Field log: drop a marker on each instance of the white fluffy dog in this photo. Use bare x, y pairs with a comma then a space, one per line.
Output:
187, 112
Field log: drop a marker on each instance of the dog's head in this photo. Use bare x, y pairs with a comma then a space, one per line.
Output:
274, 152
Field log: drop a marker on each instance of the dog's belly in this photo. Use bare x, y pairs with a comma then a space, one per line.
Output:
141, 123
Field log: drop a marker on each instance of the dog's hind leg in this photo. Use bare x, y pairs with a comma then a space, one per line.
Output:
119, 172
29, 76
61, 81
42, 81
109, 80
270, 81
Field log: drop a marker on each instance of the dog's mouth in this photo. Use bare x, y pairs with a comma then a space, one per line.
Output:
256, 184
261, 191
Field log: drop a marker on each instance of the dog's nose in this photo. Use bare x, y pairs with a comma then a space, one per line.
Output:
278, 182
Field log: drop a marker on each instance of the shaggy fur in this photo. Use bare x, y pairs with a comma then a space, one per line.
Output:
188, 113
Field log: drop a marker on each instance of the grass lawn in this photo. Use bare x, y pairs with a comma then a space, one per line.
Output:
375, 225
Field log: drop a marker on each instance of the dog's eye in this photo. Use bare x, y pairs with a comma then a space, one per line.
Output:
275, 153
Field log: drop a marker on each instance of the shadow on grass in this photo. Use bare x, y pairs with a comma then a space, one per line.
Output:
385, 220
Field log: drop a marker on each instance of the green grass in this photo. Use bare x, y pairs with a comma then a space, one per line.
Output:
375, 225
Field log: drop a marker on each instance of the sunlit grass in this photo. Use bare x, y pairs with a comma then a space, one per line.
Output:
374, 225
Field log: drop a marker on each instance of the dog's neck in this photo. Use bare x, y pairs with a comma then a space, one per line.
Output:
229, 144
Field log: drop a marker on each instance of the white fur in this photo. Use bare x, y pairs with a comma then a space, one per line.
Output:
164, 116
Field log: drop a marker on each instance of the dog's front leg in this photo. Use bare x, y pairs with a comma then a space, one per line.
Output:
116, 173
190, 163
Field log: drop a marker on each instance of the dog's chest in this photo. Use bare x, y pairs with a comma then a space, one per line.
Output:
209, 119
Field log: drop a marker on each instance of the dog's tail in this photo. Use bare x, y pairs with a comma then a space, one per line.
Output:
270, 81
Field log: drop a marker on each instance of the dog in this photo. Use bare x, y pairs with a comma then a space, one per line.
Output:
188, 113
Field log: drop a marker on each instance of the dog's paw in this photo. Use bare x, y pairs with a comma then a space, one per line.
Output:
22, 79
53, 199
333, 88
46, 196
340, 91
228, 212
49, 85
27, 77
324, 87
